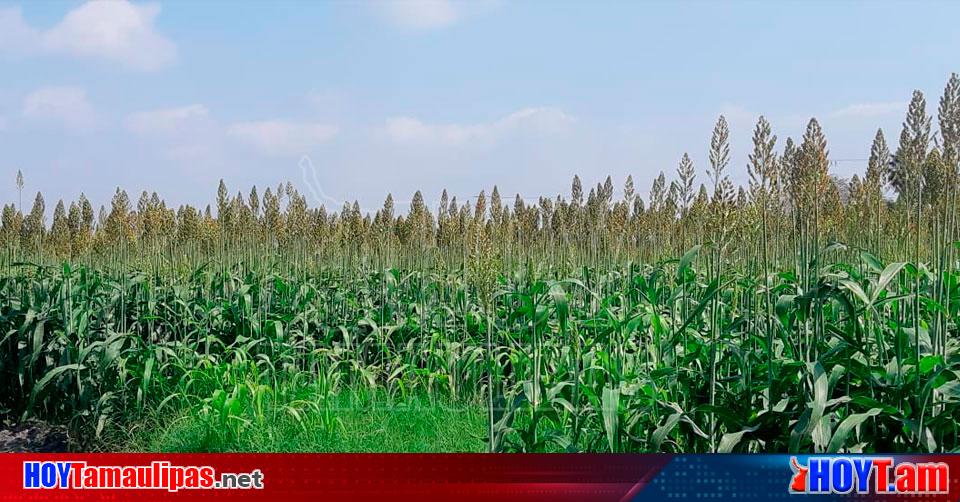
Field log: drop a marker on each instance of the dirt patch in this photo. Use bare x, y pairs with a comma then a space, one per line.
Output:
33, 437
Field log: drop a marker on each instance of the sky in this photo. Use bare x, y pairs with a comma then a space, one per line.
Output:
354, 100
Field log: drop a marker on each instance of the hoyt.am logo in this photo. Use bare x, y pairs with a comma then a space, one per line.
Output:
876, 475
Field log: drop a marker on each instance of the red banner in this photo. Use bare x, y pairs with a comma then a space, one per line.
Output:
295, 477
501, 477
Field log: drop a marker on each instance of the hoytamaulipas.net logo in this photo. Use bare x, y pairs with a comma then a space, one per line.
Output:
159, 475
874, 475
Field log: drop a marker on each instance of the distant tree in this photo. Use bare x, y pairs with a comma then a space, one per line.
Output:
74, 223
145, 220
83, 238
576, 192
34, 225
60, 231
383, 225
906, 172
420, 222
11, 226
254, 202
188, 224
224, 216
272, 218
949, 119
658, 193
606, 192
296, 217
496, 206
118, 225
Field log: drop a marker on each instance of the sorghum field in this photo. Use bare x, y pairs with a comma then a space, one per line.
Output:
802, 312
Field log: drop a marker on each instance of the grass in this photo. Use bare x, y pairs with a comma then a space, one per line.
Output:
362, 423
671, 356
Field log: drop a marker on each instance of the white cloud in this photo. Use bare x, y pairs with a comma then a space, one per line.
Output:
115, 31
870, 110
184, 133
169, 121
540, 121
278, 137
429, 14
190, 132
16, 37
66, 105
419, 14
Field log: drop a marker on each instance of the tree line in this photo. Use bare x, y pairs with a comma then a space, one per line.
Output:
905, 202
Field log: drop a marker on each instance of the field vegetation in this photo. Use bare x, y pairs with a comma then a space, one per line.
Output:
801, 312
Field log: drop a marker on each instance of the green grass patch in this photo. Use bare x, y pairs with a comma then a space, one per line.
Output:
347, 422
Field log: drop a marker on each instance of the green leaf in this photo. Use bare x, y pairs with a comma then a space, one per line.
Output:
54, 373
784, 304
847, 426
872, 261
37, 342
661, 433
856, 290
885, 277
868, 402
559, 297
730, 440
611, 404
687, 259
928, 363
810, 421
950, 391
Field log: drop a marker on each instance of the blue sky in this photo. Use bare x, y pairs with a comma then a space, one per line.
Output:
429, 94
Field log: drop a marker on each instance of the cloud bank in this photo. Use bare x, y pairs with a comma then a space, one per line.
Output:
113, 31
536, 121
280, 137
64, 105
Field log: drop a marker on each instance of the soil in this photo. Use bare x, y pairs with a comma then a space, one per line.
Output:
33, 437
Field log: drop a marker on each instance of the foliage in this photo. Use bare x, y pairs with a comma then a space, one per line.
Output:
804, 314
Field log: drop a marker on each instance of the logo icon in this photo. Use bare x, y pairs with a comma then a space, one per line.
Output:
862, 475
799, 481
